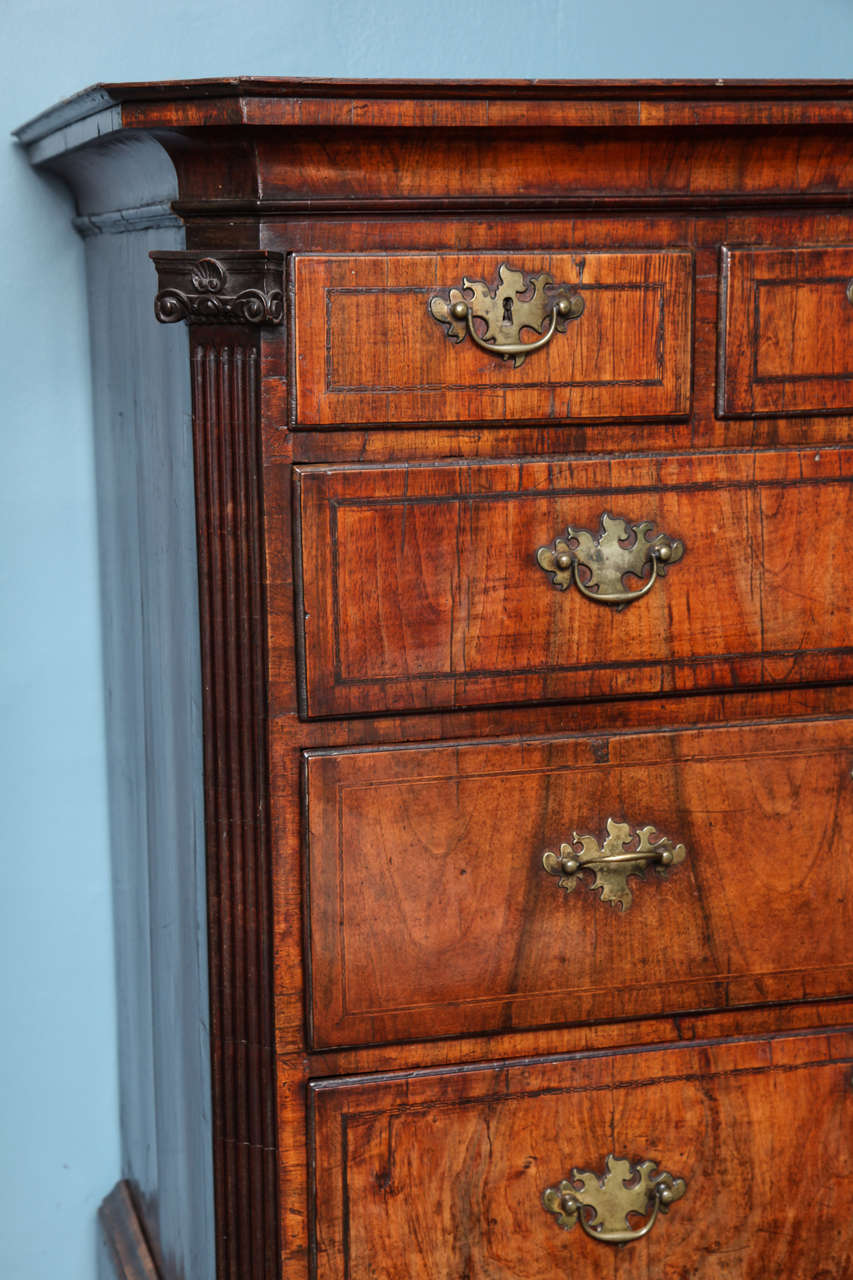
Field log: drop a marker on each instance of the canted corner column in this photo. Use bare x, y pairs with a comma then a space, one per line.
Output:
227, 298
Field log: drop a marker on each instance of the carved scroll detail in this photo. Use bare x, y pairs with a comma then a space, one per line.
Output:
239, 287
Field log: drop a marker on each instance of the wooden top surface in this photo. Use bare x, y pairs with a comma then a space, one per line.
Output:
293, 86
248, 100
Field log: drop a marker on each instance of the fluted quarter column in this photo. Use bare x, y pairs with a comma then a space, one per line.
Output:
227, 297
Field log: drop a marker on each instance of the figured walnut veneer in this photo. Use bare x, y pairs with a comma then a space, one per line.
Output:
424, 1160
444, 846
421, 588
367, 360
413, 1030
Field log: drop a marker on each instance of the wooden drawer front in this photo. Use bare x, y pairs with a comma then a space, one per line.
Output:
431, 912
787, 341
421, 586
367, 350
439, 1175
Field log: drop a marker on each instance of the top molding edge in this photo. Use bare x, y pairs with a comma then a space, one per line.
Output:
747, 92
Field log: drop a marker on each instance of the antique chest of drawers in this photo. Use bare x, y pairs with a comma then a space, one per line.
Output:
482, 789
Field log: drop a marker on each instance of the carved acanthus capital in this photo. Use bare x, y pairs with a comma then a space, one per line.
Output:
234, 287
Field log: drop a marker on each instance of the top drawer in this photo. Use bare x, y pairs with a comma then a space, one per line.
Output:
786, 343
368, 349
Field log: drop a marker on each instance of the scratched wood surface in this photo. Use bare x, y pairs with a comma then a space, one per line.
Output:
296, 1066
421, 585
403, 165
426, 1176
431, 912
786, 331
367, 349
431, 587
521, 238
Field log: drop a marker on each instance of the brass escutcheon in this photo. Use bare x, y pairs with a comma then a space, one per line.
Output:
598, 563
623, 1189
626, 851
494, 319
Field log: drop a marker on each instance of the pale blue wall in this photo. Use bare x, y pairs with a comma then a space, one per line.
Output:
58, 1090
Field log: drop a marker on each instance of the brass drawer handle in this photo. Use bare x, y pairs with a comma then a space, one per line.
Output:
506, 311
624, 1188
613, 862
619, 548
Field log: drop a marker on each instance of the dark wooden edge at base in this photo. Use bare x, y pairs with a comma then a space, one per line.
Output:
226, 296
124, 1235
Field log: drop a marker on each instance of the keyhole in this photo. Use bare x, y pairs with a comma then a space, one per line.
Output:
507, 320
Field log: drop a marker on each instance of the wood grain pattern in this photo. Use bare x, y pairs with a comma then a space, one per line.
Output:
341, 168
701, 233
420, 586
232, 613
431, 913
451, 164
296, 1066
442, 1174
586, 1037
126, 1253
379, 356
430, 632
786, 340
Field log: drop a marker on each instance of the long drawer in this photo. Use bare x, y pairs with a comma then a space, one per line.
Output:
433, 912
438, 585
373, 341
741, 1152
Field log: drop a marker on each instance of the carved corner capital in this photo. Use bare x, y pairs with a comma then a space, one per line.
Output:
232, 287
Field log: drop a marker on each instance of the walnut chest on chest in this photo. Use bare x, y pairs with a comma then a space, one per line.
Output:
477, 546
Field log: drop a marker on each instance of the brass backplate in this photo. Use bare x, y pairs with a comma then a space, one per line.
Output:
626, 851
518, 300
623, 1189
599, 563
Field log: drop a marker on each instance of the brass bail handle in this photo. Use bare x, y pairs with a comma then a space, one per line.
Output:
665, 856
625, 851
562, 309
517, 300
617, 549
601, 1204
658, 555
661, 1195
